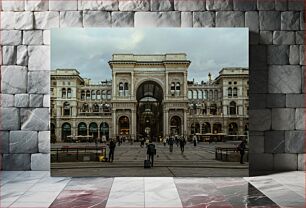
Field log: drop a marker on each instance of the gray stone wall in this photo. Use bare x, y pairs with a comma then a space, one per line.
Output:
276, 68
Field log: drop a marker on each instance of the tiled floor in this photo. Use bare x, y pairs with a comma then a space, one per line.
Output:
37, 189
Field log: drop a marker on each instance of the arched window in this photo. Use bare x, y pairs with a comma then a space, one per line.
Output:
195, 128
172, 88
109, 95
104, 129
103, 94
69, 93
82, 129
106, 107
200, 94
195, 94
66, 108
206, 128
233, 129
93, 130
189, 94
126, 89
233, 108
95, 107
229, 92
66, 131
175, 125
217, 128
177, 89
87, 95
216, 95
85, 107
213, 109
82, 95
210, 96
121, 87
93, 94
98, 95
63, 92
235, 92
205, 94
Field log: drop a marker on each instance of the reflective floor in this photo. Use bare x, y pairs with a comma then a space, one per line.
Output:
38, 189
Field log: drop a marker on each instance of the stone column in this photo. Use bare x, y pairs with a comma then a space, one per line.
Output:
185, 123
132, 85
167, 85
114, 124
133, 129
165, 122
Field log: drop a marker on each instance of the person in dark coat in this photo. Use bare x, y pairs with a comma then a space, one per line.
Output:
171, 141
182, 144
112, 146
151, 151
241, 148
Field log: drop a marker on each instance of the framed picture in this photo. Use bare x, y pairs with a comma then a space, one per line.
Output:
149, 102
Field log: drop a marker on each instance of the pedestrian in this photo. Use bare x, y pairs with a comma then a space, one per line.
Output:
182, 144
241, 148
194, 140
112, 146
165, 141
147, 141
142, 142
171, 141
151, 151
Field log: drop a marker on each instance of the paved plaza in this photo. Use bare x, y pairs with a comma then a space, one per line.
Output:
195, 161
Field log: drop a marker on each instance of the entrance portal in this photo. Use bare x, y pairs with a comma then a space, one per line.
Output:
149, 110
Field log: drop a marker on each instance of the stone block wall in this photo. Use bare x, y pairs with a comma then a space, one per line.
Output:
276, 68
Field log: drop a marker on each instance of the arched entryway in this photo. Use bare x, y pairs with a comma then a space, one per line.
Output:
82, 129
195, 128
176, 125
93, 130
206, 128
149, 110
66, 131
217, 128
233, 128
104, 130
124, 125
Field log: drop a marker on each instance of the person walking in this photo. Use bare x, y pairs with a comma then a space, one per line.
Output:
142, 142
165, 141
241, 148
171, 141
112, 146
194, 140
182, 144
151, 151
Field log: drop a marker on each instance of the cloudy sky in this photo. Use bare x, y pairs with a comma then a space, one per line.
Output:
208, 49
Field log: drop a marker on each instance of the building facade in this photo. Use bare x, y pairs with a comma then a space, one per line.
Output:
148, 95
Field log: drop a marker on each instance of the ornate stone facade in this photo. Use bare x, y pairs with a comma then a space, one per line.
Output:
149, 95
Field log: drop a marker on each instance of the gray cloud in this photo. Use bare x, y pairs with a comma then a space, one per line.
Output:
89, 50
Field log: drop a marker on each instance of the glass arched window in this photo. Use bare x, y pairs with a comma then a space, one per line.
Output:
109, 95
98, 95
69, 93
66, 108
200, 94
229, 92
82, 95
195, 94
85, 107
189, 94
66, 131
87, 95
205, 94
210, 96
177, 89
93, 94
82, 129
216, 95
121, 87
95, 107
63, 92
103, 94
104, 129
126, 89
172, 88
235, 92
233, 108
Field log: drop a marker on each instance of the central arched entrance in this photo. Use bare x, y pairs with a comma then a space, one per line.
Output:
149, 110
